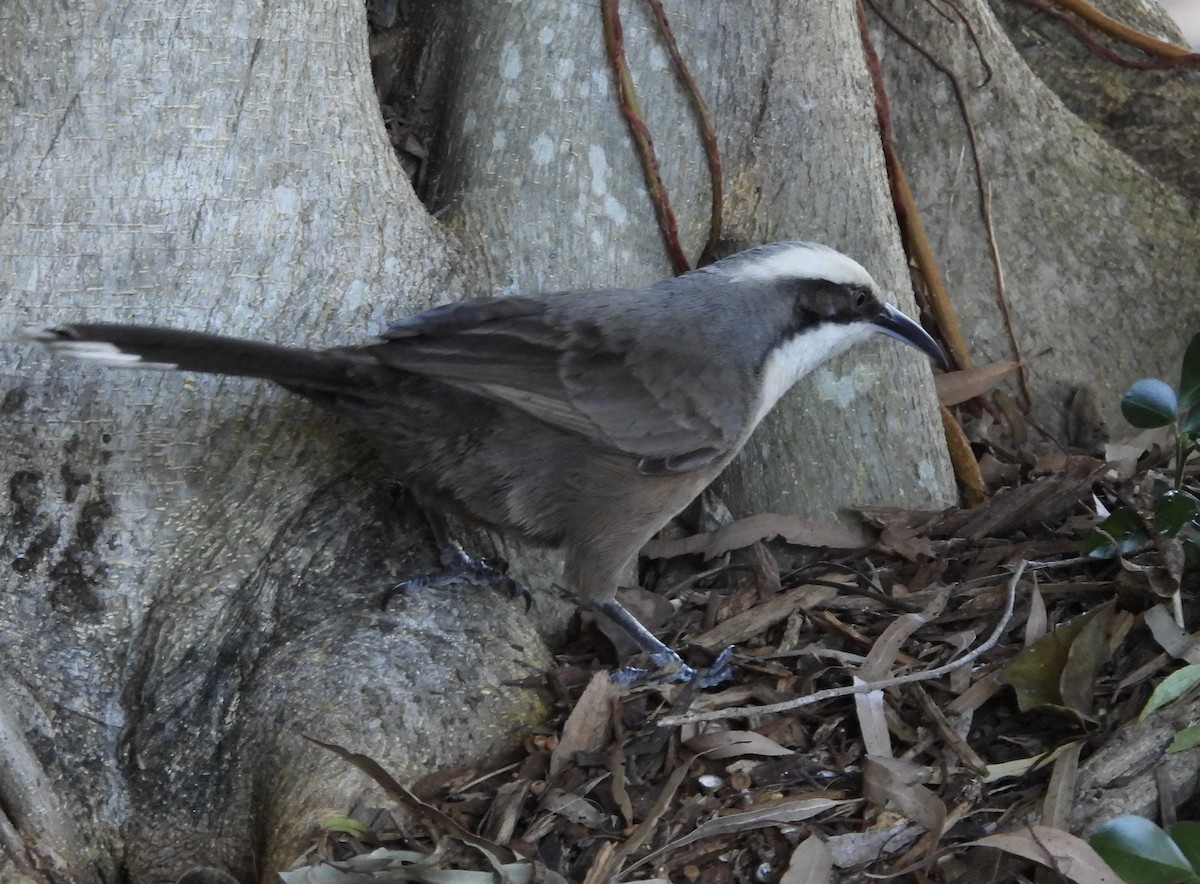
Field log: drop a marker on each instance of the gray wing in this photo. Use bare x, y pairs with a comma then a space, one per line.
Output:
643, 393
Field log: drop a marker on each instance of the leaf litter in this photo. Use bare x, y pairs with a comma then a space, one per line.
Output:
960, 701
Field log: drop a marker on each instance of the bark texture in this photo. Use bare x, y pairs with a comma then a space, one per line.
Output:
1098, 252
533, 134
192, 565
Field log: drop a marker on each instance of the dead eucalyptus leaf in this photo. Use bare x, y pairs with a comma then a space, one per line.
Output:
750, 530
586, 728
898, 783
955, 387
735, 744
1062, 852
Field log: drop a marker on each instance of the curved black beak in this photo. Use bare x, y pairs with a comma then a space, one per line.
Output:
897, 325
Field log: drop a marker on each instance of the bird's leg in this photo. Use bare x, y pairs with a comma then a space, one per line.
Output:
458, 566
668, 665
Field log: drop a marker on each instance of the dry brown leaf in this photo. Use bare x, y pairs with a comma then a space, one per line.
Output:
586, 728
955, 742
735, 744
1163, 568
736, 629
1170, 637
1091, 650
750, 530
650, 608
887, 647
1012, 416
501, 821
897, 783
906, 542
616, 767
1124, 458
1060, 794
955, 387
646, 827
810, 863
857, 848
1039, 621
1087, 427
790, 810
1020, 767
427, 813
573, 806
1124, 455
1070, 856
1045, 500
962, 457
599, 872
1059, 669
871, 713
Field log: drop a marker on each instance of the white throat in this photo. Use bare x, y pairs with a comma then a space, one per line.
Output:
793, 360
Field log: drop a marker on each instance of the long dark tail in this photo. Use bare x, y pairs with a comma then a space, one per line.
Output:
145, 346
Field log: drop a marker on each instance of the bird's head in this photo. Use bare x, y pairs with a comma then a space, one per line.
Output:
833, 304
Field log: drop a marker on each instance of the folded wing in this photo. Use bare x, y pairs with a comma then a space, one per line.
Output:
642, 391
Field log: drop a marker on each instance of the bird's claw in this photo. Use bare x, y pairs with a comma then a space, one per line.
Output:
459, 567
672, 670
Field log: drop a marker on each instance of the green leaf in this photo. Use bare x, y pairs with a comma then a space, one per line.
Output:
1127, 530
1140, 852
1171, 688
1184, 740
1191, 421
1149, 403
1187, 835
1174, 510
1189, 375
1071, 652
344, 825
1191, 554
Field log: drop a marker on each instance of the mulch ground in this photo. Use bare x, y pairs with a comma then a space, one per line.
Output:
939, 707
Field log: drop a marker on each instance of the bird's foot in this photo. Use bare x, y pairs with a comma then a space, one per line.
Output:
460, 567
667, 666
670, 669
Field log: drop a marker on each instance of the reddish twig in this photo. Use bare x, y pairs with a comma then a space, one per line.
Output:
1160, 61
614, 41
707, 131
916, 243
985, 198
1126, 34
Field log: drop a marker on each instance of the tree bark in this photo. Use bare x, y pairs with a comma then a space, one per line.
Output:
194, 564
801, 158
1098, 255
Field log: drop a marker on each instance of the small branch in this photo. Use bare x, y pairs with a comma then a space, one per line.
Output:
985, 200
1123, 32
614, 41
707, 131
1171, 57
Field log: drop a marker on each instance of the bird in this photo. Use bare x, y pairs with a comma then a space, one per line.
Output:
584, 420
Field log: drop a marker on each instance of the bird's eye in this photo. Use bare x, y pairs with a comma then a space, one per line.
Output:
860, 299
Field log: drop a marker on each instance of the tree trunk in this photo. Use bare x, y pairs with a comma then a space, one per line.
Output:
1098, 254
544, 185
195, 564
